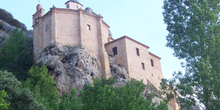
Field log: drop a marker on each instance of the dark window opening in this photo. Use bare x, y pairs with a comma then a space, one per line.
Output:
143, 67
67, 6
152, 75
152, 63
77, 7
88, 27
137, 50
115, 51
47, 28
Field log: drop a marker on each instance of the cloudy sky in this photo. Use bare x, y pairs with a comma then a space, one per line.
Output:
141, 20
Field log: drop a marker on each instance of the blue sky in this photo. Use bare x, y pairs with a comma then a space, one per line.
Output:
141, 20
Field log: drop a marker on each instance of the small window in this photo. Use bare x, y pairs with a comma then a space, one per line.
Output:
152, 75
137, 51
36, 20
77, 7
47, 28
143, 67
152, 63
115, 51
67, 6
88, 27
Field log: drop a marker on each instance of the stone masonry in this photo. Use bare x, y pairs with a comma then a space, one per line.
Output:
84, 28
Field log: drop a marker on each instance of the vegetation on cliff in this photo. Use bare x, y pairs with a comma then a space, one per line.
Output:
38, 91
16, 54
6, 16
194, 34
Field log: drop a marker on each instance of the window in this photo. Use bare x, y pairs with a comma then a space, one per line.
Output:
115, 52
152, 75
47, 28
88, 27
36, 20
152, 63
143, 67
67, 6
77, 7
137, 51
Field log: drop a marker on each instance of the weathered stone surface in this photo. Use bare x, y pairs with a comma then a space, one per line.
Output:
6, 29
122, 77
119, 71
72, 66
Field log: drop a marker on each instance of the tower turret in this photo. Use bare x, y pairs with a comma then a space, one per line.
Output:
39, 13
73, 4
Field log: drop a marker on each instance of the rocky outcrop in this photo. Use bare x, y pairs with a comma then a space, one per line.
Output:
119, 72
6, 29
122, 77
72, 66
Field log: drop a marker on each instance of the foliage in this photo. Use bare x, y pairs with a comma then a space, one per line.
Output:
20, 99
16, 54
70, 102
3, 105
102, 95
6, 16
43, 86
194, 34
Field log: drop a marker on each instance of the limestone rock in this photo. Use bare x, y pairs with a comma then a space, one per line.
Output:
72, 66
119, 71
6, 29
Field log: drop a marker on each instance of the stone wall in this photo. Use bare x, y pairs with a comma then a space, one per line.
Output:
127, 57
76, 28
155, 70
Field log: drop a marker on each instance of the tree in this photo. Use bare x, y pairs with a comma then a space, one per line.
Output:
6, 16
102, 95
43, 86
16, 55
20, 99
3, 105
70, 102
194, 34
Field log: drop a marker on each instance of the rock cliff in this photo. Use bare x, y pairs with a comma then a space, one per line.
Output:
72, 67
6, 29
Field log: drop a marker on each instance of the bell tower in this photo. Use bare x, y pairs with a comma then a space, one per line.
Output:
39, 13
73, 4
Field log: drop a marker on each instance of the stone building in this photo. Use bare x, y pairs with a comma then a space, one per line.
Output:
76, 26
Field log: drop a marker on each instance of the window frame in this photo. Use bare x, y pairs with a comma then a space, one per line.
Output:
152, 62
67, 6
46, 28
115, 51
88, 27
143, 66
137, 51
